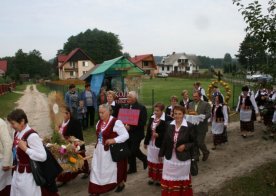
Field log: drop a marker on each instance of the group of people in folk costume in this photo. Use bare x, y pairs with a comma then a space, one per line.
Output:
173, 144
260, 105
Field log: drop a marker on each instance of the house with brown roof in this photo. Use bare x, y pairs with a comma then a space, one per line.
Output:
3, 67
74, 65
146, 62
179, 63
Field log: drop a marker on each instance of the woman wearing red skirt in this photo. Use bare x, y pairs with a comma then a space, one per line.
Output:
105, 174
177, 150
153, 140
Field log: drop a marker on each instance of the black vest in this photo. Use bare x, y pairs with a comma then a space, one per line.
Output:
219, 113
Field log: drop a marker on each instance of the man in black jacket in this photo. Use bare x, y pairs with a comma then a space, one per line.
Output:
136, 133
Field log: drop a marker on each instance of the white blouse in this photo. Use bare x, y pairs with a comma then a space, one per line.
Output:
119, 128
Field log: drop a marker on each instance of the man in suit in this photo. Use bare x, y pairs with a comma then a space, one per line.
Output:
136, 133
201, 107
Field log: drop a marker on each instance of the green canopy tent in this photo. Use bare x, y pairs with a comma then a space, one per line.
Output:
119, 67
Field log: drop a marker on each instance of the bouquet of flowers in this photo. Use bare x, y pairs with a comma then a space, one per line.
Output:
66, 151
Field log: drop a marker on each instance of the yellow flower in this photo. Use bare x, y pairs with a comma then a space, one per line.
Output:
72, 160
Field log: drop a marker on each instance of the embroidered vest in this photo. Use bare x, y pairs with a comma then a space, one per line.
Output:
247, 103
219, 113
23, 160
107, 133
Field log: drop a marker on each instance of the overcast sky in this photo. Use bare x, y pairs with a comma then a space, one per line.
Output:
202, 27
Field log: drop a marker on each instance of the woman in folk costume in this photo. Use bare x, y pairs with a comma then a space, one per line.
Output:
177, 150
111, 96
5, 159
155, 133
219, 121
72, 127
105, 174
248, 111
169, 109
28, 145
186, 100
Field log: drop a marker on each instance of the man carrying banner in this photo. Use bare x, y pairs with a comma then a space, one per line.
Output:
136, 133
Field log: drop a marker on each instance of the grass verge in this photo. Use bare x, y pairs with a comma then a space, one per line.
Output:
261, 181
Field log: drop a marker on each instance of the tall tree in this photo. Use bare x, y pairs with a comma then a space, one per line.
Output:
99, 45
251, 53
227, 63
262, 27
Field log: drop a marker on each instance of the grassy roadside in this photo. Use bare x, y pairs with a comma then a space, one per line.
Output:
7, 101
43, 88
261, 181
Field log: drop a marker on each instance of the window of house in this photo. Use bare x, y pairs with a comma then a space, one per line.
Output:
185, 60
179, 60
84, 63
168, 68
163, 68
73, 64
71, 73
187, 68
145, 63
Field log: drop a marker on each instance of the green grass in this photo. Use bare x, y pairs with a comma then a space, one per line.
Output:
165, 88
43, 89
89, 135
261, 181
7, 101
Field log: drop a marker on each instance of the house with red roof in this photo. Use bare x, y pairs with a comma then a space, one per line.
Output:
3, 67
146, 62
74, 65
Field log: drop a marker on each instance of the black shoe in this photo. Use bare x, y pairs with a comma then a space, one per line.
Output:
120, 189
157, 184
131, 171
145, 164
150, 182
61, 184
205, 156
84, 176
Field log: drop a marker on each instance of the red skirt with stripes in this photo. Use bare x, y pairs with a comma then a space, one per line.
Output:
176, 188
155, 171
121, 176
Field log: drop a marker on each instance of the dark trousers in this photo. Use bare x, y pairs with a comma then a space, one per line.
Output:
90, 115
134, 145
200, 142
83, 123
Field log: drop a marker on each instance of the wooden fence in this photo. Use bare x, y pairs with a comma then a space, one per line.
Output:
4, 88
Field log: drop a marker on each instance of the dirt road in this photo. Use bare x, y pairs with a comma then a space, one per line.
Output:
237, 157
35, 104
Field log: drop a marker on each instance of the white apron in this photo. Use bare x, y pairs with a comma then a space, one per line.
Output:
245, 115
217, 128
5, 177
175, 170
103, 169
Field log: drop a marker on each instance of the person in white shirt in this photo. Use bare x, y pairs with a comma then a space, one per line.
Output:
248, 110
5, 159
31, 147
105, 173
219, 121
